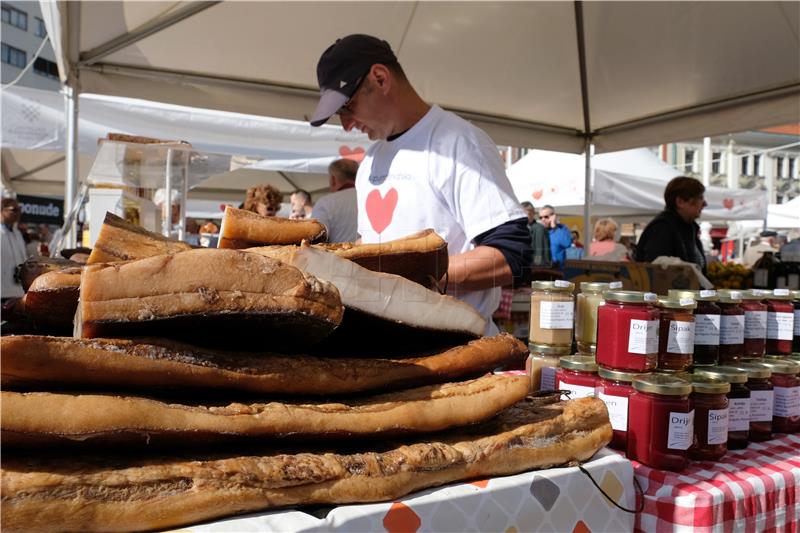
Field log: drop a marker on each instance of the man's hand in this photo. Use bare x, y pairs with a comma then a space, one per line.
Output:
482, 268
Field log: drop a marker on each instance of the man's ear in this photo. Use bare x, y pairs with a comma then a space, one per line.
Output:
383, 77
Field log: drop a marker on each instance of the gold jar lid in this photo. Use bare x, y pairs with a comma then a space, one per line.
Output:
779, 294
582, 363
755, 370
755, 294
706, 385
634, 297
664, 384
546, 349
783, 366
686, 304
731, 374
730, 297
557, 285
594, 286
701, 296
616, 375
796, 295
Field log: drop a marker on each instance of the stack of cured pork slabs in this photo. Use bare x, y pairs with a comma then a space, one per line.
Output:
207, 382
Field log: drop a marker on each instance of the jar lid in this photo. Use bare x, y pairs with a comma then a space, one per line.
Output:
546, 349
683, 303
779, 294
731, 374
662, 384
594, 286
616, 375
701, 296
730, 297
756, 370
796, 295
783, 366
584, 363
631, 297
557, 285
706, 385
755, 294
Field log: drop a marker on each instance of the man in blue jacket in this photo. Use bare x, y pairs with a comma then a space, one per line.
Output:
560, 236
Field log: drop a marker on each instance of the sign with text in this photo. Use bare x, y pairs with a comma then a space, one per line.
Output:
41, 210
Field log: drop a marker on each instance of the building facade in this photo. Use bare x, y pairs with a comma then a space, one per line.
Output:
23, 32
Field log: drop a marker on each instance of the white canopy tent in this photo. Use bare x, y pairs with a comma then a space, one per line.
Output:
553, 75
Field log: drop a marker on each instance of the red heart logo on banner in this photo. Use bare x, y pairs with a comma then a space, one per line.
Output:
356, 154
380, 209
728, 203
537, 194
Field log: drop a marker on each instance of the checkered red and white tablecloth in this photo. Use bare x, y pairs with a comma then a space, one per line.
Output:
756, 489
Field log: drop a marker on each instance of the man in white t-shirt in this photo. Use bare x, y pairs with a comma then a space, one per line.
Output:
428, 169
338, 210
12, 247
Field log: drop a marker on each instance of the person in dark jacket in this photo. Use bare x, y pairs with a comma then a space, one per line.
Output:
674, 232
540, 240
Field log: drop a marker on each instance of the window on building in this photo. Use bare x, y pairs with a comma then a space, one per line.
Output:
792, 165
15, 17
39, 29
14, 56
44, 67
778, 162
743, 168
716, 160
688, 160
757, 170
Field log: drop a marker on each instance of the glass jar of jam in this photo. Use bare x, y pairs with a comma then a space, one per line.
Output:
587, 302
676, 334
761, 401
662, 426
786, 388
796, 334
755, 324
731, 327
614, 388
627, 331
578, 375
543, 364
552, 313
780, 322
738, 402
706, 325
710, 404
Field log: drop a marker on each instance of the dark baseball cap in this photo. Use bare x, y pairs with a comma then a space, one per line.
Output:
342, 67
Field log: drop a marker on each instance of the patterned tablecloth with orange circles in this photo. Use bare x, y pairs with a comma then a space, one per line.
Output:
558, 499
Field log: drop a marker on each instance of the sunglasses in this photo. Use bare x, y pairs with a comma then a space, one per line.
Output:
347, 107
541, 217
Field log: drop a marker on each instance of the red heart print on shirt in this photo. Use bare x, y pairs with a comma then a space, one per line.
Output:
356, 154
380, 209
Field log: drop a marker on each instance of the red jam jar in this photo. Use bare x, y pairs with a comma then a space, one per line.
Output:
660, 421
738, 402
762, 400
676, 334
786, 387
755, 324
731, 327
796, 334
614, 388
706, 325
578, 375
627, 331
780, 322
710, 404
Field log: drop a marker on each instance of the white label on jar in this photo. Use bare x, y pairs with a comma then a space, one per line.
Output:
686, 301
681, 430
548, 378
707, 293
561, 283
680, 337
739, 414
781, 292
755, 324
706, 330
717, 426
617, 410
761, 406
796, 322
787, 401
731, 329
780, 326
643, 337
576, 391
650, 297
556, 315
615, 285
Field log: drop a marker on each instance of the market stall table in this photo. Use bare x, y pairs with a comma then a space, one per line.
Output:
557, 499
755, 489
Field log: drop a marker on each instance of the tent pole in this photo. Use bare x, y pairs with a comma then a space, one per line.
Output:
71, 93
587, 195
